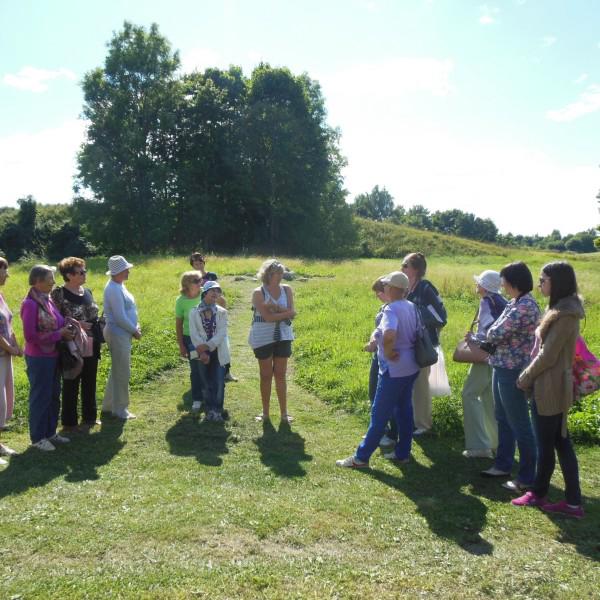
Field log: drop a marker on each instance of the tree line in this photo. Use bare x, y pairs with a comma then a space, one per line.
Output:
378, 205
214, 160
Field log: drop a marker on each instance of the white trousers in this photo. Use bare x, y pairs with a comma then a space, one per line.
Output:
7, 393
116, 395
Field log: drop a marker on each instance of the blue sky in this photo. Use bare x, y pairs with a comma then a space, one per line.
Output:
492, 108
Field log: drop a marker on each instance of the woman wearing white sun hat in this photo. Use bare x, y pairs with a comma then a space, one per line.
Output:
122, 324
481, 429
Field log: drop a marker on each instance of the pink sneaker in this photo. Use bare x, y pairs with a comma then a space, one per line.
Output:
529, 499
562, 508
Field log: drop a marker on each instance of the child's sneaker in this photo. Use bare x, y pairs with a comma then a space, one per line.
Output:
529, 499
196, 406
562, 508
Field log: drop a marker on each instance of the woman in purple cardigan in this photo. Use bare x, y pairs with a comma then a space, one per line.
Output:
43, 327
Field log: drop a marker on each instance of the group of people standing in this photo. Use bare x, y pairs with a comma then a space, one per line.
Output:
63, 334
519, 398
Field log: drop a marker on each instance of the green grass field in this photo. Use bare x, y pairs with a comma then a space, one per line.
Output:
169, 507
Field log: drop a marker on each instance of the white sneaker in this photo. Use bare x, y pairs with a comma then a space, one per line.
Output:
6, 451
352, 463
3, 462
420, 431
392, 456
59, 439
482, 453
386, 441
125, 415
44, 445
196, 406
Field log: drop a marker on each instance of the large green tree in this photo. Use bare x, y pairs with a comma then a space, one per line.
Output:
377, 205
127, 161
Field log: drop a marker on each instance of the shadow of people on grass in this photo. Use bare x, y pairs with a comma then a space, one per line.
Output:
207, 441
437, 492
282, 451
77, 461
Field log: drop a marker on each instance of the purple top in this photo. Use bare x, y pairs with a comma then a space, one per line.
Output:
38, 342
399, 316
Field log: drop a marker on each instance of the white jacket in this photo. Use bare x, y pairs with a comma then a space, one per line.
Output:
220, 341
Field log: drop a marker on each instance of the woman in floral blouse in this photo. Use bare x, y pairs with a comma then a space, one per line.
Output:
513, 334
75, 301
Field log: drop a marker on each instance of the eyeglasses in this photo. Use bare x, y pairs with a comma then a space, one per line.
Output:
81, 272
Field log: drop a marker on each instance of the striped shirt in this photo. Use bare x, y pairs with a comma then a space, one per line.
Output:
263, 333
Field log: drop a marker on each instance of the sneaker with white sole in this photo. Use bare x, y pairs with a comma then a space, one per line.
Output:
493, 472
6, 451
482, 453
124, 414
420, 431
196, 406
3, 462
59, 439
44, 445
514, 485
392, 456
352, 463
386, 441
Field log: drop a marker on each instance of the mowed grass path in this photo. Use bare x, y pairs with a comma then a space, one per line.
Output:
169, 507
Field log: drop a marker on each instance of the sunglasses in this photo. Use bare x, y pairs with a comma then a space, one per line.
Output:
81, 272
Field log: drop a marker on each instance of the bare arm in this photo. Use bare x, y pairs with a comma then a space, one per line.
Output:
265, 311
389, 339
179, 333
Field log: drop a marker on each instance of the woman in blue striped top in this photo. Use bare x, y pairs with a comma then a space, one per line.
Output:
271, 334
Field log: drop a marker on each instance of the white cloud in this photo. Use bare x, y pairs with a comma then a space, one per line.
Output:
389, 80
588, 102
41, 164
549, 40
35, 80
488, 14
421, 161
581, 78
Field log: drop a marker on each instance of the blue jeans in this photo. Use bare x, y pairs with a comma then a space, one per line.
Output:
212, 376
514, 425
390, 430
44, 396
195, 375
393, 398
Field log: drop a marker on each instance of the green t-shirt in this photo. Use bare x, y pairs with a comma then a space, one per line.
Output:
183, 305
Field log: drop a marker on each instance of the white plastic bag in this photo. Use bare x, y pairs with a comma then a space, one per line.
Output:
438, 378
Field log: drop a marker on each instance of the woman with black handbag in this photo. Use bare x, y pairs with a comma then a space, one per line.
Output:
76, 301
433, 314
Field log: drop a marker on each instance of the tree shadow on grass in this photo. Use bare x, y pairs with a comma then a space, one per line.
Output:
76, 461
190, 436
282, 451
437, 492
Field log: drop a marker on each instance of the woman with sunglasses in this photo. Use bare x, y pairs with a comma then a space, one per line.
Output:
76, 301
549, 378
189, 297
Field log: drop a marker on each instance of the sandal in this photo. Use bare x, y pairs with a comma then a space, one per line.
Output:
261, 418
287, 418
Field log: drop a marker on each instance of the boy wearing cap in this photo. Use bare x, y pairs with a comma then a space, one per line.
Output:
479, 420
208, 332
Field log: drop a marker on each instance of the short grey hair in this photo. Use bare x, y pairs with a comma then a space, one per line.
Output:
39, 273
268, 268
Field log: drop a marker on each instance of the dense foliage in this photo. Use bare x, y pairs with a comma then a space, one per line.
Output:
210, 159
